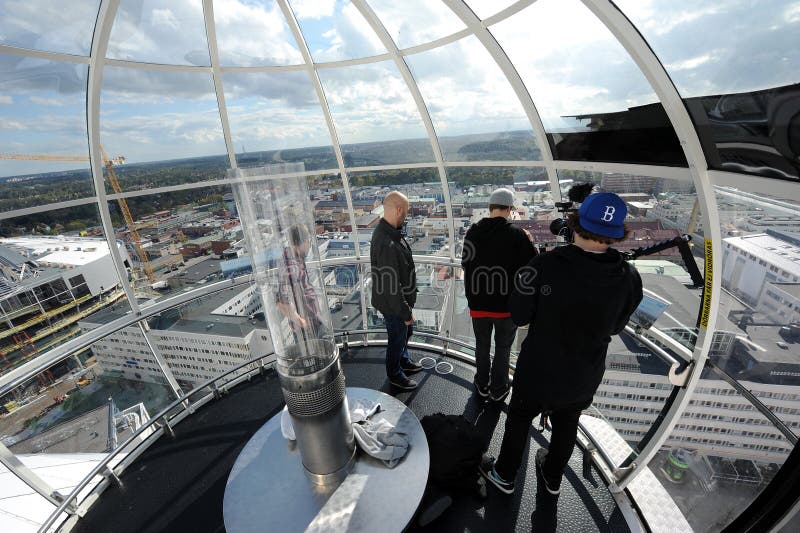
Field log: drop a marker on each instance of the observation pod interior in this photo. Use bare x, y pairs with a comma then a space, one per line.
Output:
121, 120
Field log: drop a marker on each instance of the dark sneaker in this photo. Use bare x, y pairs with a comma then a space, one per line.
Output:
403, 382
488, 471
483, 392
501, 397
409, 366
552, 488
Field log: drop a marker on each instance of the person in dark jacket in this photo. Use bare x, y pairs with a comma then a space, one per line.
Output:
494, 250
575, 298
394, 288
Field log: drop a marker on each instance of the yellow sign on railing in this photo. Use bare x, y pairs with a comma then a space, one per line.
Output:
709, 279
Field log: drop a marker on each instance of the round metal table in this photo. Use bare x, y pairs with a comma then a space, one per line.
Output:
267, 488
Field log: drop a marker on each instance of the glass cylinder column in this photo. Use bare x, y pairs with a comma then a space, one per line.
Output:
278, 226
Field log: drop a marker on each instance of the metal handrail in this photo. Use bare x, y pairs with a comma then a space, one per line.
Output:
180, 401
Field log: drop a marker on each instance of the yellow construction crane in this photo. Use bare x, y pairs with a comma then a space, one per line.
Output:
112, 178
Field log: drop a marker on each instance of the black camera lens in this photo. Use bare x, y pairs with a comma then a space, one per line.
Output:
557, 226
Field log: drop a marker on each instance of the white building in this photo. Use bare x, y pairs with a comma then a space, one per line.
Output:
718, 422
752, 262
198, 342
77, 260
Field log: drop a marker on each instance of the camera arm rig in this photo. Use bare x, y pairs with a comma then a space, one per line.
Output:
682, 242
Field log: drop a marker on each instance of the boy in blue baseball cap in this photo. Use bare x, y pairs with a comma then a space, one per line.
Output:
574, 298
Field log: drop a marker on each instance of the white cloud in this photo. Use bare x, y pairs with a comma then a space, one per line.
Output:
174, 36
46, 101
690, 63
6, 100
37, 24
792, 13
352, 37
9, 124
312, 9
253, 35
164, 17
413, 22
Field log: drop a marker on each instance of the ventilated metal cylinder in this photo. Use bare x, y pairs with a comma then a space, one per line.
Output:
314, 390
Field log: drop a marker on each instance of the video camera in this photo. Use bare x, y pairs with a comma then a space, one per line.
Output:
576, 194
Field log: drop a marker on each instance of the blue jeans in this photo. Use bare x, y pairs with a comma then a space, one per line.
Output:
397, 346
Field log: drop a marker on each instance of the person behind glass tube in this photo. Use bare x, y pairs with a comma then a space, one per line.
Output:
296, 296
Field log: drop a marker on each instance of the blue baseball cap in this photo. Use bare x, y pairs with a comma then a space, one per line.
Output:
604, 213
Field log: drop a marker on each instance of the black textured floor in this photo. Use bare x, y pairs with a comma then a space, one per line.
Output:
178, 484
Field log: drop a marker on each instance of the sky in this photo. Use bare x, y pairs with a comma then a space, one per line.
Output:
569, 62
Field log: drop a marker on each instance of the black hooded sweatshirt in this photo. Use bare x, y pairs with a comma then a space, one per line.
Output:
574, 301
494, 249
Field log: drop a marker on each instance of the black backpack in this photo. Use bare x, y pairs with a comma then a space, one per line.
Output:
456, 448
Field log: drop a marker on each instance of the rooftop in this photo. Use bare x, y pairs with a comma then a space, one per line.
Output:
780, 252
86, 433
195, 317
69, 251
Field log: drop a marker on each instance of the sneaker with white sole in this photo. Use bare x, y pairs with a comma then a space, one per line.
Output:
491, 475
501, 397
551, 487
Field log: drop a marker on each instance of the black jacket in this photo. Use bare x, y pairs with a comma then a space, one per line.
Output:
494, 249
394, 279
574, 301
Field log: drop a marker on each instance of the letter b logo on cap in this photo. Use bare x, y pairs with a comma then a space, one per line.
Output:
608, 216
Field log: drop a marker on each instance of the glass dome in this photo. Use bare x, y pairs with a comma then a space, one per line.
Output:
124, 272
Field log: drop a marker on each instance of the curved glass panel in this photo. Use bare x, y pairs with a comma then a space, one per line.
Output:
426, 223
753, 132
35, 24
276, 117
189, 238
433, 306
343, 285
476, 114
594, 101
486, 8
470, 188
65, 420
160, 31
57, 273
45, 155
759, 312
211, 335
166, 124
335, 31
736, 68
727, 47
416, 21
376, 118
721, 454
254, 34
332, 217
